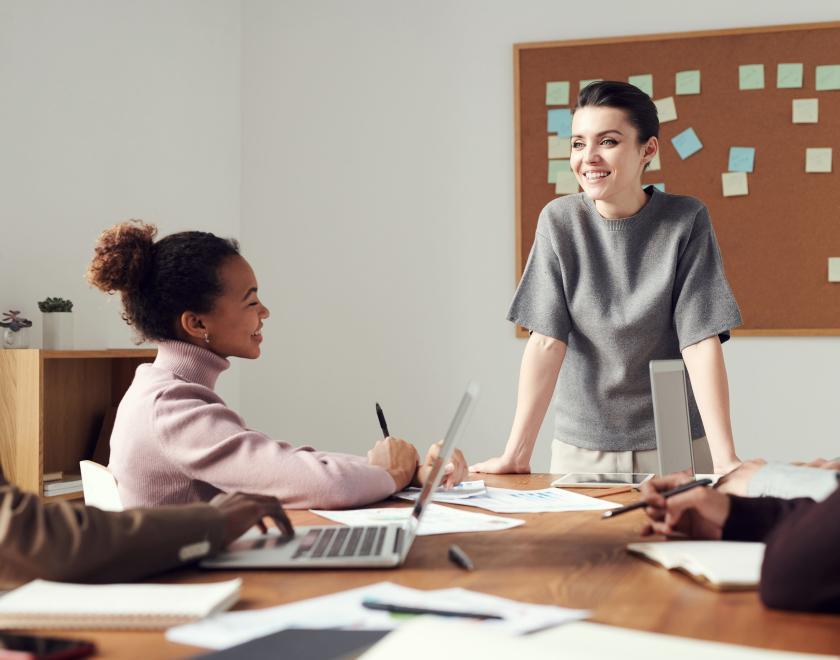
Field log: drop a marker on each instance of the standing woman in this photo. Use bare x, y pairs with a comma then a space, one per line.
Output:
619, 275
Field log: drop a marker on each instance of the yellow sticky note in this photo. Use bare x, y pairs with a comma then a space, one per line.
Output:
557, 93
806, 111
666, 109
818, 159
655, 164
734, 184
834, 269
566, 183
559, 147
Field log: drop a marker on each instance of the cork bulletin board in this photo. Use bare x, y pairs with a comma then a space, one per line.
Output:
778, 239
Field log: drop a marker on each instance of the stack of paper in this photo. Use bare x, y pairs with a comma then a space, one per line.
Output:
43, 604
436, 519
508, 500
71, 483
344, 610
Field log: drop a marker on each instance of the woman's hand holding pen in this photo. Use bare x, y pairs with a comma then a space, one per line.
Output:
454, 472
398, 457
699, 513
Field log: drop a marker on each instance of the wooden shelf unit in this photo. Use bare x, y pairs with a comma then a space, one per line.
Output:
52, 404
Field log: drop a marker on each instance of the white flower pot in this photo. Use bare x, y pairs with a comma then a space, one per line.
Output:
12, 339
58, 331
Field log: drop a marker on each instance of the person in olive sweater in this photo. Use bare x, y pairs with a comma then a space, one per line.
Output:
71, 542
801, 569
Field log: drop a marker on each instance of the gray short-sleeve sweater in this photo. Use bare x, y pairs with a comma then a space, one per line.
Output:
621, 293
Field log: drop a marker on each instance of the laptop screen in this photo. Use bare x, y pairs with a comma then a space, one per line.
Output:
451, 438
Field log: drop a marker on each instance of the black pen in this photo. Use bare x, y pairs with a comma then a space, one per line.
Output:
460, 558
668, 493
408, 609
382, 423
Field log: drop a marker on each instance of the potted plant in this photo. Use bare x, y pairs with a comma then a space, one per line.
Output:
15, 333
58, 323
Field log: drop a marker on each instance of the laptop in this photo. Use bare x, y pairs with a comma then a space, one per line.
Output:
671, 417
337, 546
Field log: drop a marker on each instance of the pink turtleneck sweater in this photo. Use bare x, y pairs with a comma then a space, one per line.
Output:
175, 441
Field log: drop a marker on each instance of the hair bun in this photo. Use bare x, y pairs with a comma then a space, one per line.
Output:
121, 256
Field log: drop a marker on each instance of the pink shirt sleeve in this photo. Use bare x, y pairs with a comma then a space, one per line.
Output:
207, 441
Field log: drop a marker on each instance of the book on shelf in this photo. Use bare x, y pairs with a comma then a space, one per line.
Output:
70, 483
42, 604
721, 565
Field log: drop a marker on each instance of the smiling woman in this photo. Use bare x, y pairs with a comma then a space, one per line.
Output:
174, 439
618, 276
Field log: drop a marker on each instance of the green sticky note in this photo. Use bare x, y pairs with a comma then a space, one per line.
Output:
688, 82
556, 166
644, 82
586, 81
828, 77
557, 93
789, 76
751, 76
559, 147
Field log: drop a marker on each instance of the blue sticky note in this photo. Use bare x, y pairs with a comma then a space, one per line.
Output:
741, 159
560, 122
686, 143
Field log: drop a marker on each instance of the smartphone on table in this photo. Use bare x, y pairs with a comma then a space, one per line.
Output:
35, 647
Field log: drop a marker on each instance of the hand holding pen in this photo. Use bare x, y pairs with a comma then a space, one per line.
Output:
695, 512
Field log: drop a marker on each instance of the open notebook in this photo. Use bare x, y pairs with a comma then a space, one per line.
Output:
42, 604
721, 565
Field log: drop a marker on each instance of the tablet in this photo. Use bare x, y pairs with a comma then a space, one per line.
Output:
600, 479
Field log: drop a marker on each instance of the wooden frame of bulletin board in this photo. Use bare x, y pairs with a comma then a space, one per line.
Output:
777, 240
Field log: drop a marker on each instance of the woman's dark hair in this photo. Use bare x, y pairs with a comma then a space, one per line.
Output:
158, 281
639, 107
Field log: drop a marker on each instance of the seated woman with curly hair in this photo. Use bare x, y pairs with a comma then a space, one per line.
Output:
174, 439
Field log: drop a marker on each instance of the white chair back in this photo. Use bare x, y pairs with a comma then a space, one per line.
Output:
100, 487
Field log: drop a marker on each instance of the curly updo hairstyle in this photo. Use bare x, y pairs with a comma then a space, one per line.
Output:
158, 281
640, 109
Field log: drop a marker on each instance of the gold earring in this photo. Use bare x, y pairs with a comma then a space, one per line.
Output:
206, 338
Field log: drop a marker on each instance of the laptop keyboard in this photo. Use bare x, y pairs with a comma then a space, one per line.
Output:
327, 542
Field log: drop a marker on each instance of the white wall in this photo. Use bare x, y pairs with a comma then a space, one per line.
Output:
377, 209
111, 109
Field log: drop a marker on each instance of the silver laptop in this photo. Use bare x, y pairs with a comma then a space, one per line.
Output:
671, 417
337, 546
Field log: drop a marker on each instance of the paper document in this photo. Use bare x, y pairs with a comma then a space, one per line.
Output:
344, 610
574, 640
507, 500
436, 519
454, 494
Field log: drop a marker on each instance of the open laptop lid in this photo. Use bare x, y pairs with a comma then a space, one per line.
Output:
451, 438
671, 417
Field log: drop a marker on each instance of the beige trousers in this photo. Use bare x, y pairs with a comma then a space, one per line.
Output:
568, 458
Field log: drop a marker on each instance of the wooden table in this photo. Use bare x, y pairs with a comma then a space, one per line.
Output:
568, 559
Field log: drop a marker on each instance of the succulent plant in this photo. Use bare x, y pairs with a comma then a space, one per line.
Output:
14, 321
55, 305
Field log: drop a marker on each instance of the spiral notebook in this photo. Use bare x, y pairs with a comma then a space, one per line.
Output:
42, 604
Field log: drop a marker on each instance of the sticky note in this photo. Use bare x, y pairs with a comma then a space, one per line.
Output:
655, 163
818, 159
659, 186
644, 82
828, 77
834, 269
734, 184
560, 122
555, 166
751, 76
559, 147
557, 93
688, 82
566, 183
686, 143
789, 76
806, 111
741, 159
666, 109
586, 81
